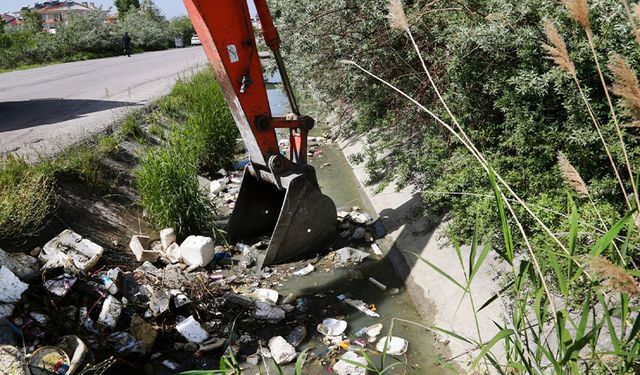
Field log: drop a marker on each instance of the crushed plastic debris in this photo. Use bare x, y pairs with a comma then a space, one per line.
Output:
332, 327
377, 283
61, 285
359, 305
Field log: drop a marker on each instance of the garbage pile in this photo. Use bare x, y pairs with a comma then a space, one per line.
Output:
180, 306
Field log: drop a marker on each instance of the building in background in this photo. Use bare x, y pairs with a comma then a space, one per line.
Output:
8, 19
55, 12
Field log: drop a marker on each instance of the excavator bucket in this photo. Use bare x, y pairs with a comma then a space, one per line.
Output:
299, 219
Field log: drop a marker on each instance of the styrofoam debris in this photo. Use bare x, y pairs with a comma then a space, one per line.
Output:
11, 288
167, 237
173, 253
281, 351
111, 309
395, 346
71, 251
139, 246
197, 250
267, 295
346, 365
191, 329
305, 271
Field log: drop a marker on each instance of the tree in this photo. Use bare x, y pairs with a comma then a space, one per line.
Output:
32, 21
152, 11
124, 6
183, 27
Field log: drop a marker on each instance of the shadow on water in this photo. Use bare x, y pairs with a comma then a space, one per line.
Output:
31, 113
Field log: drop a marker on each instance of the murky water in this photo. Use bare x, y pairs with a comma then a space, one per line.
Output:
321, 287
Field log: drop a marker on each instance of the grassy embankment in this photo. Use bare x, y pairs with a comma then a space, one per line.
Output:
187, 133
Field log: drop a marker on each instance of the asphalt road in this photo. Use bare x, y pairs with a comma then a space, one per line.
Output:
45, 109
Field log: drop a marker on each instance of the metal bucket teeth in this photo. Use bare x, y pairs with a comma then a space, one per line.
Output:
300, 219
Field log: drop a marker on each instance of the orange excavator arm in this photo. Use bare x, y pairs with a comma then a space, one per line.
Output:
279, 195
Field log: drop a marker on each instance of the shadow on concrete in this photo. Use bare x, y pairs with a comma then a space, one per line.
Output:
31, 113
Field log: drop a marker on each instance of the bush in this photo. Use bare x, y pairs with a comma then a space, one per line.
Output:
488, 59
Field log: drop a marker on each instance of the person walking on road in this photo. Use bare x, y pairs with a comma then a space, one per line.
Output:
126, 42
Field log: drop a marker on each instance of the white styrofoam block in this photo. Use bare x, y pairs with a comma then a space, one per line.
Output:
167, 237
197, 250
11, 288
191, 329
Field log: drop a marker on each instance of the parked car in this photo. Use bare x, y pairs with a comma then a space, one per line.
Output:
195, 40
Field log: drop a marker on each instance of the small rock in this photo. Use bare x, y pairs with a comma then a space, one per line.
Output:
11, 288
36, 251
6, 310
358, 233
281, 351
191, 347
348, 254
192, 330
22, 265
159, 302
111, 309
265, 311
144, 332
197, 250
345, 365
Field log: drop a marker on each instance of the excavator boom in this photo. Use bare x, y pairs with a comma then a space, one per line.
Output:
279, 196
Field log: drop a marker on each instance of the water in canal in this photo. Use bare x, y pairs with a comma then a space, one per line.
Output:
337, 180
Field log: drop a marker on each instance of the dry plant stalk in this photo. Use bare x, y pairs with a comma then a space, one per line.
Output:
615, 278
625, 83
557, 49
571, 176
578, 10
632, 21
397, 18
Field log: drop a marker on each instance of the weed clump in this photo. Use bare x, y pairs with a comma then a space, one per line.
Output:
201, 141
26, 198
169, 191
